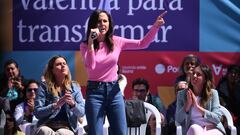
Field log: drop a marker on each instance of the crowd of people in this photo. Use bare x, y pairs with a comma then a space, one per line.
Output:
56, 103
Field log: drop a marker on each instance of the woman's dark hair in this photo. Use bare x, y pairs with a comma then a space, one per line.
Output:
208, 84
32, 81
28, 84
92, 23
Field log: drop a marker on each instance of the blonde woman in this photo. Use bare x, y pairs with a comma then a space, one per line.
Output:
59, 102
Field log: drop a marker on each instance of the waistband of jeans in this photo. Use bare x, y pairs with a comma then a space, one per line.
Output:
99, 82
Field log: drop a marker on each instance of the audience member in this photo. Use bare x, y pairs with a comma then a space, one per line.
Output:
188, 64
170, 115
12, 83
24, 111
229, 92
59, 102
12, 89
198, 108
122, 80
141, 91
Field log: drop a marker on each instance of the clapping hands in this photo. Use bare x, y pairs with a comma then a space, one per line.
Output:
67, 98
191, 100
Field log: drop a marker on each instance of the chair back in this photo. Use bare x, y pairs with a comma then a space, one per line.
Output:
2, 121
229, 118
225, 112
150, 109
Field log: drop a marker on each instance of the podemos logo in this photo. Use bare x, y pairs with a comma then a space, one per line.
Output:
160, 69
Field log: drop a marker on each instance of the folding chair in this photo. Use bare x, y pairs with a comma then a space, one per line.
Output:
225, 112
2, 121
229, 118
150, 109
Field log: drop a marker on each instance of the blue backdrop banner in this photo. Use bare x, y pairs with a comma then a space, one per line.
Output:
61, 25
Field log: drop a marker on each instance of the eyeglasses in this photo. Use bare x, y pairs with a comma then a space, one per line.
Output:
31, 89
140, 90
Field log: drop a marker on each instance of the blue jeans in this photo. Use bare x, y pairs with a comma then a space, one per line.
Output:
105, 98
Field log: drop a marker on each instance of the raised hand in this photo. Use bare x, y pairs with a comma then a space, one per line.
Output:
59, 103
17, 83
160, 21
30, 104
69, 99
92, 36
196, 104
194, 99
189, 101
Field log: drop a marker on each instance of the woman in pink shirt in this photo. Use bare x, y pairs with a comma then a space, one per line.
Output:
100, 54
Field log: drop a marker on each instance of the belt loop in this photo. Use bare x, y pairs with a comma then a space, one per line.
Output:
107, 84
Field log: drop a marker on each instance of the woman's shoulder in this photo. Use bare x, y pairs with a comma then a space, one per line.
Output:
117, 38
214, 91
43, 87
43, 84
75, 85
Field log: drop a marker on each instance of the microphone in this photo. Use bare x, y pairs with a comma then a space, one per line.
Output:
94, 35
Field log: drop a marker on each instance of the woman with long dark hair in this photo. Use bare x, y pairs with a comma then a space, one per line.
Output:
100, 54
198, 108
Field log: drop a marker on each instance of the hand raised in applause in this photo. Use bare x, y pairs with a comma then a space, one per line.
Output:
59, 103
189, 101
196, 104
69, 99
